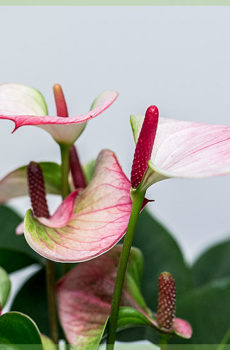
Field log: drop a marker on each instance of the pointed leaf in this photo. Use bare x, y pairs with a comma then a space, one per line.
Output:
128, 317
32, 111
15, 253
161, 253
4, 288
32, 299
15, 184
87, 290
99, 217
210, 303
212, 265
18, 329
186, 149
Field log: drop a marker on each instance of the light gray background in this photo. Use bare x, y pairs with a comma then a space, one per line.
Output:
175, 57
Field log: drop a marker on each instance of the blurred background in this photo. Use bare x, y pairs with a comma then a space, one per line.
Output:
174, 57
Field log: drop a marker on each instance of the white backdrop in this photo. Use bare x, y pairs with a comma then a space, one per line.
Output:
174, 57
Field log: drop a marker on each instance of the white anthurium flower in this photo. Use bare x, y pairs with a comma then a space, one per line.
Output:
168, 148
25, 105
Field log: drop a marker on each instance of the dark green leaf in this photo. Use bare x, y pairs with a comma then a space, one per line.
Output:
4, 287
18, 329
212, 265
129, 316
15, 253
161, 253
32, 300
207, 309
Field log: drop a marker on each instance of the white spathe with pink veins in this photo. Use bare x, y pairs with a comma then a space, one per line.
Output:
186, 149
95, 219
25, 105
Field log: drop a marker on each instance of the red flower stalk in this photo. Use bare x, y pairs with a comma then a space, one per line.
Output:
76, 169
166, 300
60, 101
37, 190
144, 146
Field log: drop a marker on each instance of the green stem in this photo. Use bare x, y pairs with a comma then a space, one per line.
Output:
137, 198
64, 170
64, 184
50, 283
163, 340
224, 341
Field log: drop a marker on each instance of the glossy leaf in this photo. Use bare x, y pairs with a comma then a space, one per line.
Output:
18, 329
212, 265
32, 300
129, 317
15, 184
207, 309
88, 223
15, 253
161, 253
4, 288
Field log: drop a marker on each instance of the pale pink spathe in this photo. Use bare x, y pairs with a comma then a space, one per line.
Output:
186, 149
94, 221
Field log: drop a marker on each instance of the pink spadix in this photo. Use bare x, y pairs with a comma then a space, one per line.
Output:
144, 146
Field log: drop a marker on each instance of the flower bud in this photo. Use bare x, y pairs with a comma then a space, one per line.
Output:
144, 146
166, 300
37, 190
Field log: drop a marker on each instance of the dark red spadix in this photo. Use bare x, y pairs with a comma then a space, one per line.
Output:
166, 300
144, 146
37, 190
60, 101
76, 169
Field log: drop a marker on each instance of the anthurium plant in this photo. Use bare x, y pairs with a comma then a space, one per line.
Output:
108, 270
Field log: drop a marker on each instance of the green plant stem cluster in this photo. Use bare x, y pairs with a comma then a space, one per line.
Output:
50, 265
137, 201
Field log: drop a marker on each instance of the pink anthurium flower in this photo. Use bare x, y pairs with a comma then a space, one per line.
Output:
168, 148
88, 222
26, 106
87, 290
